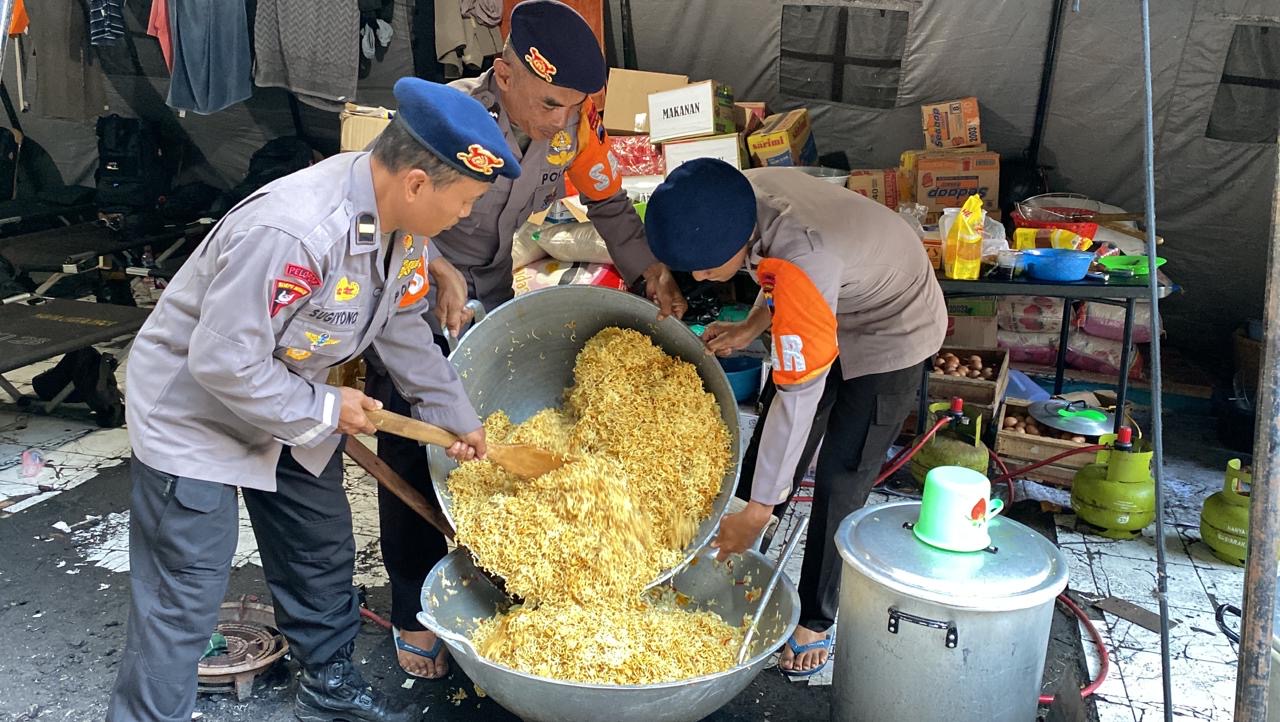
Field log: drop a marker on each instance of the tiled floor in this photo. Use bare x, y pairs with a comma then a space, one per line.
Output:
1203, 661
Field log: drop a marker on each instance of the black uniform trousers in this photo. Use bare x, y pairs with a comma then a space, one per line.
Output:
410, 545
860, 418
182, 537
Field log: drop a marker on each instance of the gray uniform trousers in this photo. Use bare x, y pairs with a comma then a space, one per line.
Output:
860, 418
182, 536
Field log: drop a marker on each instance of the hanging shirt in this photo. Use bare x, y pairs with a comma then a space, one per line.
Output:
212, 68
158, 28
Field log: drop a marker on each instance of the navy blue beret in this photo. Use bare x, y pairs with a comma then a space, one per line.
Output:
701, 215
456, 127
557, 45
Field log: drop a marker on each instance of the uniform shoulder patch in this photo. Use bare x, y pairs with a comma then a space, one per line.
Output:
284, 292
804, 325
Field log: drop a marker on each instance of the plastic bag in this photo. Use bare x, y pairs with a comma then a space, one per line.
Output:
1099, 355
524, 246
636, 155
550, 272
573, 243
1040, 349
1107, 321
1029, 314
993, 241
913, 214
962, 246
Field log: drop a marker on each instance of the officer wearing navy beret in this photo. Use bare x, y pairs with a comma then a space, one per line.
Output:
226, 388
852, 308
538, 91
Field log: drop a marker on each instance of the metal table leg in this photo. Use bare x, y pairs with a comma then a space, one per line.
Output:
9, 388
1122, 389
1063, 339
922, 412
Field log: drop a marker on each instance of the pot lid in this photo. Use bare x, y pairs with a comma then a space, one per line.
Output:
1020, 569
1074, 417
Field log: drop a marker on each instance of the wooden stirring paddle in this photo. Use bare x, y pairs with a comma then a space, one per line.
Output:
526, 462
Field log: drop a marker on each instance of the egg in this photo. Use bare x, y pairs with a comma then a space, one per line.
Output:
1010, 422
975, 361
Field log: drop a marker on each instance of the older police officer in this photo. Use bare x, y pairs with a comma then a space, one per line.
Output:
230, 367
538, 93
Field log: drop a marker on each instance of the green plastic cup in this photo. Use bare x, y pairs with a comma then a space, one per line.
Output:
956, 510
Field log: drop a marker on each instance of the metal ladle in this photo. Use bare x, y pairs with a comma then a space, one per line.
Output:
802, 522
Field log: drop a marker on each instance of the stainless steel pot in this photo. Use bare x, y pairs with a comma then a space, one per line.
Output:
452, 609
934, 636
520, 358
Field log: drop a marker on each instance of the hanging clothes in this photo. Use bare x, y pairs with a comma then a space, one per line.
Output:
485, 12
18, 21
106, 22
310, 47
158, 28
375, 32
63, 81
462, 43
426, 63
212, 68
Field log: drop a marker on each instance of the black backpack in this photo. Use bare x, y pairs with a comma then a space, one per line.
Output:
131, 175
276, 159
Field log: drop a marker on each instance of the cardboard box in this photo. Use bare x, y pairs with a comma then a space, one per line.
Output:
727, 148
785, 139
907, 165
977, 306
933, 247
971, 332
749, 116
951, 124
626, 106
880, 186
704, 108
359, 125
976, 391
945, 180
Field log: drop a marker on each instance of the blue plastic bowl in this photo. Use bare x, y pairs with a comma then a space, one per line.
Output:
1056, 264
744, 376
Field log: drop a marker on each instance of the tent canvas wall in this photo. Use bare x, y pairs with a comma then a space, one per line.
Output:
863, 67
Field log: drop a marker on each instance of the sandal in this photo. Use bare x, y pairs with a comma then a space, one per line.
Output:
799, 649
419, 651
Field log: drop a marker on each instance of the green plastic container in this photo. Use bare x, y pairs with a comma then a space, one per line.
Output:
956, 510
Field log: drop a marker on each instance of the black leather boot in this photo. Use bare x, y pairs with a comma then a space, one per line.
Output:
335, 692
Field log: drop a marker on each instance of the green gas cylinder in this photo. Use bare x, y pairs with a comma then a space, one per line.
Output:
956, 444
1224, 520
1116, 493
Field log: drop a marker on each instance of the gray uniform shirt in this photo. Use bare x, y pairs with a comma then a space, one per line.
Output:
873, 272
480, 245
231, 364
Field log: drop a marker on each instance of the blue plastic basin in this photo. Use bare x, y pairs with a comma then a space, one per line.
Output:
1056, 264
744, 376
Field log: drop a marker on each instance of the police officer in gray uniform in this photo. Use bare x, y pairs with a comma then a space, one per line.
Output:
230, 368
539, 92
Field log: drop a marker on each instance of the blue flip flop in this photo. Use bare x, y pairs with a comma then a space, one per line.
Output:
799, 649
414, 649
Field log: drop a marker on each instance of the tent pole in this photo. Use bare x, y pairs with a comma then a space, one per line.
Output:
1157, 373
6, 17
1046, 81
1254, 670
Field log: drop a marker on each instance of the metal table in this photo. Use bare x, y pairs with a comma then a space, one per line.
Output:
1116, 292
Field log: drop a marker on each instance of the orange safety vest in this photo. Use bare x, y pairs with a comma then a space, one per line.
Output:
804, 326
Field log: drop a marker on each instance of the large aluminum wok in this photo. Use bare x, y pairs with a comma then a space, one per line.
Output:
520, 358
451, 609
